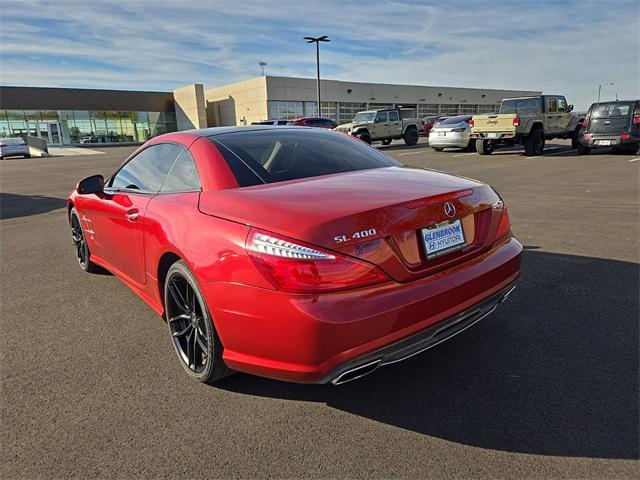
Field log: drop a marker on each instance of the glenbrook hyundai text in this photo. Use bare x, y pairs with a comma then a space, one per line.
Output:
295, 253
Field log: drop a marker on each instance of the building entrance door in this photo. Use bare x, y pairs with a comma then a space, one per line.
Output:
53, 133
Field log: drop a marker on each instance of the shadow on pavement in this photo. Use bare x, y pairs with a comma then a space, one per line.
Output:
554, 371
14, 206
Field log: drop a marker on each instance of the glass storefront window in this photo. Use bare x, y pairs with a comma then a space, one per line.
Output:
285, 110
82, 126
348, 110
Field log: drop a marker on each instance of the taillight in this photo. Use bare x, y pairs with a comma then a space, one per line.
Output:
293, 266
625, 136
504, 226
471, 123
636, 119
516, 122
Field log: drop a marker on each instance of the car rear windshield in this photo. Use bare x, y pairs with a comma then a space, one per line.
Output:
605, 110
12, 141
521, 105
277, 155
454, 120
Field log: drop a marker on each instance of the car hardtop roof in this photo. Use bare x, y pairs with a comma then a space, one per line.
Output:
212, 131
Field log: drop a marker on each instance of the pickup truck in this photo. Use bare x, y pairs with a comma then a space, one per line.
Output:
385, 125
528, 121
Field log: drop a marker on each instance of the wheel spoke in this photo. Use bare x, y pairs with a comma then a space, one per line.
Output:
182, 316
202, 344
177, 297
191, 356
182, 332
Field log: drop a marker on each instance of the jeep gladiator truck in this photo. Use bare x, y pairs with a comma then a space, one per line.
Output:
385, 125
528, 121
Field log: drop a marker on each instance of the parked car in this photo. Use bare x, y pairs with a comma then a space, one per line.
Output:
14, 147
611, 124
427, 124
271, 122
317, 122
385, 125
451, 132
295, 253
528, 121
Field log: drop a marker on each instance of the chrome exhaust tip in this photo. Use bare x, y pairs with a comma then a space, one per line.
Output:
356, 372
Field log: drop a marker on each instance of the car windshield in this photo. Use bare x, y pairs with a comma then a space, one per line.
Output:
12, 141
611, 110
521, 105
269, 156
364, 117
454, 120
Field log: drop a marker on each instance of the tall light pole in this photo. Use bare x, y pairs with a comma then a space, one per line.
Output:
317, 41
262, 65
600, 88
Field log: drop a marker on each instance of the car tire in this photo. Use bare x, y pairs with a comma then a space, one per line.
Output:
83, 254
193, 335
438, 149
534, 143
484, 147
386, 141
365, 137
411, 136
582, 150
28, 155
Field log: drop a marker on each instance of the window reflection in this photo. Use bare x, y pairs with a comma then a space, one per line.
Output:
83, 126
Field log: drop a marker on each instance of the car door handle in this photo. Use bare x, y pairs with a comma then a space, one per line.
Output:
132, 215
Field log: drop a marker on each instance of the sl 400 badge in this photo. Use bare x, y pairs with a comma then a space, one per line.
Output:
355, 236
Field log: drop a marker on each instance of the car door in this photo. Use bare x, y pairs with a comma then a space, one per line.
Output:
395, 123
381, 125
563, 116
551, 109
119, 219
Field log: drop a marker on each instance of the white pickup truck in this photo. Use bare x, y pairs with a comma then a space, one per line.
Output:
528, 121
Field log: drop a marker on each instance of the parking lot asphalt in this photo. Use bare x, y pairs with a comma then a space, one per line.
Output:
545, 387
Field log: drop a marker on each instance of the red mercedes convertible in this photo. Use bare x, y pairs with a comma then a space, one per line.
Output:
295, 253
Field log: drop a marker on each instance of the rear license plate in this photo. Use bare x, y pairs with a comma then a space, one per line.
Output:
603, 142
442, 134
443, 238
492, 135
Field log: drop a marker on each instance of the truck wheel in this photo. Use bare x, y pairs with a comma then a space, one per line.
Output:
411, 136
534, 143
386, 141
365, 137
484, 147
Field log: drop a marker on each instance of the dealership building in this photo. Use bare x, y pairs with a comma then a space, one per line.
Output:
66, 116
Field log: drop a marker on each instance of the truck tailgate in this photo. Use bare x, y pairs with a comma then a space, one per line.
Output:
493, 123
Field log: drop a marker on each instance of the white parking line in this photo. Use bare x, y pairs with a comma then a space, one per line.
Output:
635, 159
410, 153
553, 153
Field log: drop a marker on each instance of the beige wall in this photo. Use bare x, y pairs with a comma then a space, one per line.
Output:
190, 105
286, 88
238, 103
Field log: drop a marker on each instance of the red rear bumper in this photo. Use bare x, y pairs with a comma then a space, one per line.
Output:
316, 338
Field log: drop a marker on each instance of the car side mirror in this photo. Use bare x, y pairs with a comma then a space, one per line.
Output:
92, 184
570, 109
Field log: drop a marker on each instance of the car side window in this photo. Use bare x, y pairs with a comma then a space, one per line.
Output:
393, 116
552, 105
381, 117
562, 104
147, 170
183, 176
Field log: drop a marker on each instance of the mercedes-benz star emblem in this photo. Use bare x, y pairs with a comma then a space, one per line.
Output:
449, 209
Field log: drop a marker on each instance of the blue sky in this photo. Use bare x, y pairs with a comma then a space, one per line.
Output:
557, 46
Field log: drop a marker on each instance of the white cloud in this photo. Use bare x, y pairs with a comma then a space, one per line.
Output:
561, 47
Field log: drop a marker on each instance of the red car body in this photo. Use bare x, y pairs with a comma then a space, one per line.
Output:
383, 299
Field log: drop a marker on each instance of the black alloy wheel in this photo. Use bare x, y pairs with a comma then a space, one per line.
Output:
192, 332
83, 254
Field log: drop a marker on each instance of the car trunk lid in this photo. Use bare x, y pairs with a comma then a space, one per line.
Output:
375, 215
